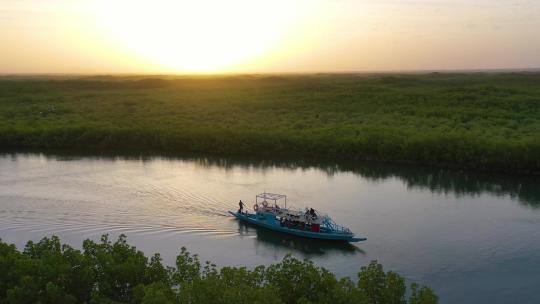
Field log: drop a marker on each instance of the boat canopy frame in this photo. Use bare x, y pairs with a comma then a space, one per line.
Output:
271, 196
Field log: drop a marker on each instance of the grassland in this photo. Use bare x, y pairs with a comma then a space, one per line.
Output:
481, 120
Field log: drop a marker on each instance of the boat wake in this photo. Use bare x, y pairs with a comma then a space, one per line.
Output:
153, 213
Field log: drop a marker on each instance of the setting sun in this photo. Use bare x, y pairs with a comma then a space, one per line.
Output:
202, 36
257, 36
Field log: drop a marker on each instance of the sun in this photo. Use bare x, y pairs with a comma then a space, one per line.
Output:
197, 36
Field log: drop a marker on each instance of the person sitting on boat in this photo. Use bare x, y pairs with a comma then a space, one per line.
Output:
312, 213
241, 204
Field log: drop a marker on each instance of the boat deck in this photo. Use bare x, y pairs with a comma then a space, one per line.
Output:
270, 222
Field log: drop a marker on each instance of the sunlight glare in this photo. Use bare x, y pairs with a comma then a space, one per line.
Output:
197, 36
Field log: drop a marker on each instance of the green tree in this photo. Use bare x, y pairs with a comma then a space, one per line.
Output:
422, 295
381, 287
106, 273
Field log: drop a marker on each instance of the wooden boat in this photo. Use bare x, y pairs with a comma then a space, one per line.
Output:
308, 223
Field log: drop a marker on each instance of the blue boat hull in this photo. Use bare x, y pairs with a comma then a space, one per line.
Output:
270, 222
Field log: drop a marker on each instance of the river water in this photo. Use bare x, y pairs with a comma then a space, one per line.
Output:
474, 238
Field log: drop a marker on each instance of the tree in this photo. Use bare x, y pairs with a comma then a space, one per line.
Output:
106, 272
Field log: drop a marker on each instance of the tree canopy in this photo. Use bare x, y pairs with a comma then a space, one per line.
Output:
116, 272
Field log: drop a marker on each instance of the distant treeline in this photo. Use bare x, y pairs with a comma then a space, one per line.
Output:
106, 272
482, 121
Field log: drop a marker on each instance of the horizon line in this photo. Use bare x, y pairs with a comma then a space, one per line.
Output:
407, 71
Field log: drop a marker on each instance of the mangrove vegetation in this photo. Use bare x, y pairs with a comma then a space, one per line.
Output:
486, 121
116, 272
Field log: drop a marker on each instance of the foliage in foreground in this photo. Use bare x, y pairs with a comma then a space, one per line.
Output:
487, 121
107, 272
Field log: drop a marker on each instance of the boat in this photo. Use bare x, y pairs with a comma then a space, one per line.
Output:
307, 223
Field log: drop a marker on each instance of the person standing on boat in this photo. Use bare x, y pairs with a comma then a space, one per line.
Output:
241, 204
312, 213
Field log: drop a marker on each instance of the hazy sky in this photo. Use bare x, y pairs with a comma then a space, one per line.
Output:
166, 36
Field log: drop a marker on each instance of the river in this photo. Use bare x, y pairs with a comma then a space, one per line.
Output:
473, 238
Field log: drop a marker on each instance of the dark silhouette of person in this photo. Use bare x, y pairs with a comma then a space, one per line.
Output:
241, 204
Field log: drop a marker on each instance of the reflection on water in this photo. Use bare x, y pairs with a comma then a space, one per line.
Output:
307, 247
442, 181
473, 237
456, 182
460, 183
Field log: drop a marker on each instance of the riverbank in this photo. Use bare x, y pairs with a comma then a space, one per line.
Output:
474, 121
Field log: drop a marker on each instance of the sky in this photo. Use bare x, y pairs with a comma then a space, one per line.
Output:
241, 36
